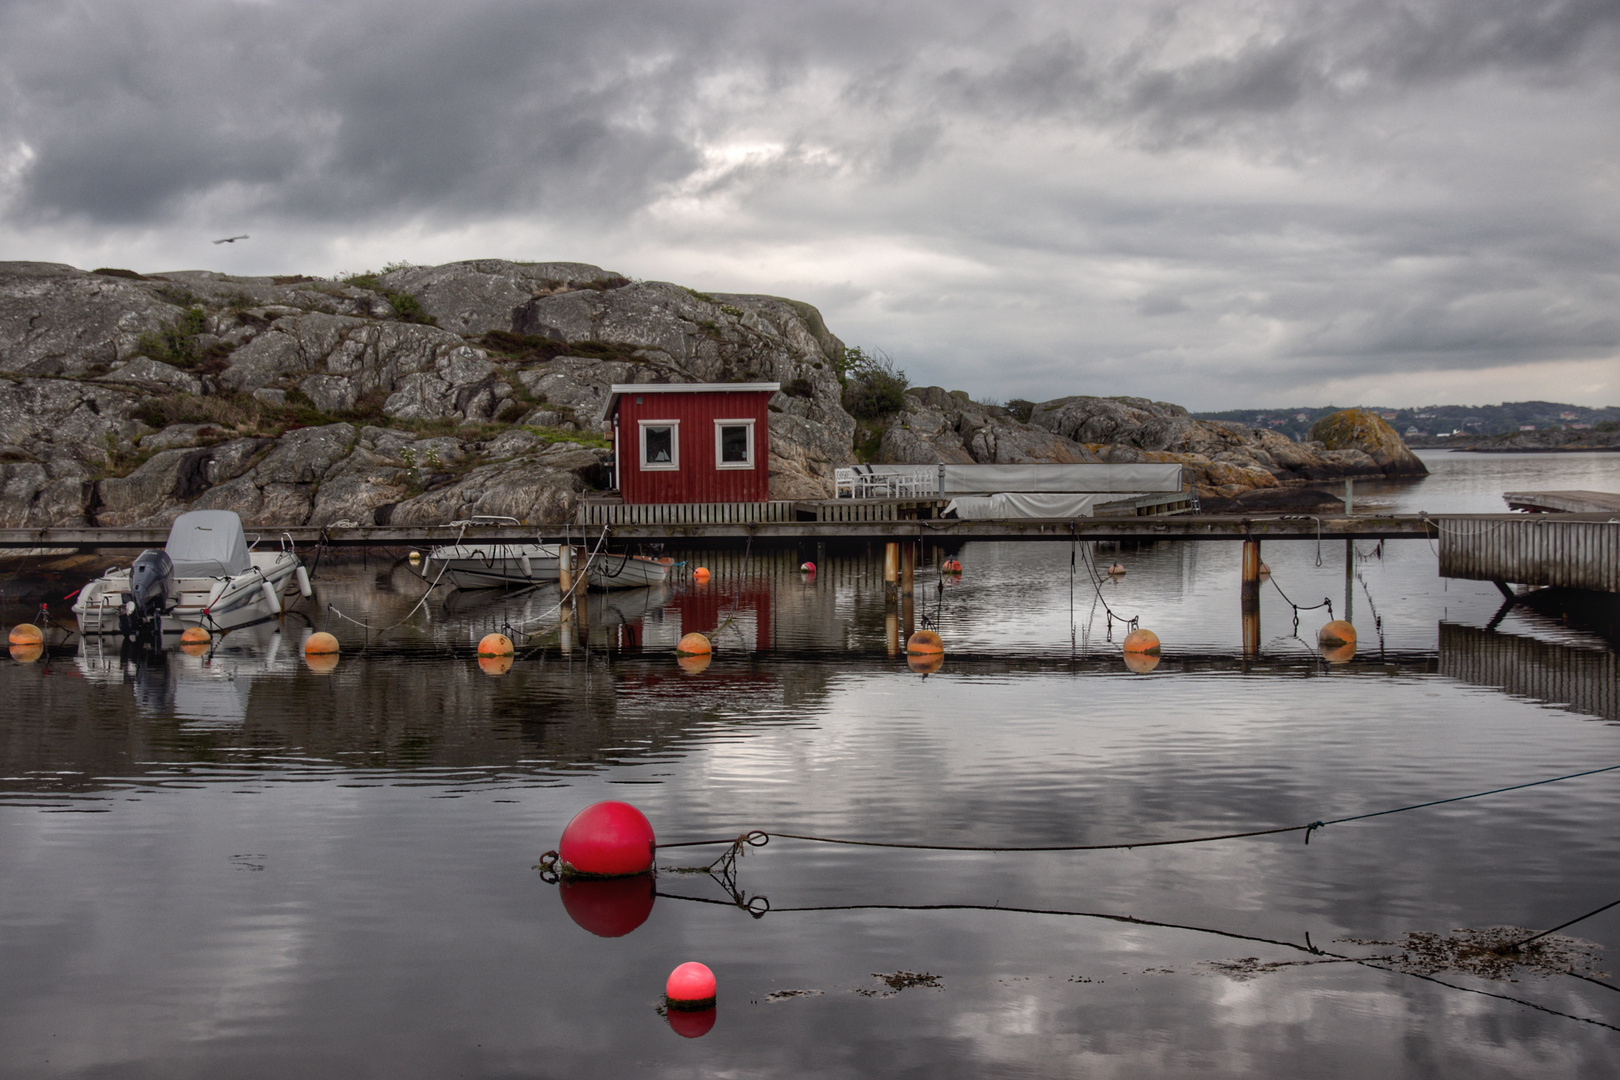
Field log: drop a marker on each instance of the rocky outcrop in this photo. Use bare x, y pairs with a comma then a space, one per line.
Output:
1230, 461
1360, 429
947, 426
419, 394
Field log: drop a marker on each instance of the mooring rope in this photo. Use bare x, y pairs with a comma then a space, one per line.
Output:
759, 837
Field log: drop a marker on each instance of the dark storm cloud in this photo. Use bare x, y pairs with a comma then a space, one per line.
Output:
1035, 194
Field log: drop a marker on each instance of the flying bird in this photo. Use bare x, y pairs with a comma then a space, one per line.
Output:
232, 239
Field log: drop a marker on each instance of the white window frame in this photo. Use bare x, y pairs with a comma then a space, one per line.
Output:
674, 462
719, 426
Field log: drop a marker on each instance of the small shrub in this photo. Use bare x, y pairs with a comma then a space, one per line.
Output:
873, 387
734, 312
1021, 410
800, 388
177, 343
703, 296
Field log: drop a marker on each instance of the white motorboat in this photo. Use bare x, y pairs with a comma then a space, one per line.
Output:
492, 565
206, 575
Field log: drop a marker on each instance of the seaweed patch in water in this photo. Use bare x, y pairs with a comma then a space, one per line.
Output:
901, 980
1488, 953
784, 995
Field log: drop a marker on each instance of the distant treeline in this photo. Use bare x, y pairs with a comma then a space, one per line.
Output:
1431, 421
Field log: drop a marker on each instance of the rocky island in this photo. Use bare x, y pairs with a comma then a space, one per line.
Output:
423, 394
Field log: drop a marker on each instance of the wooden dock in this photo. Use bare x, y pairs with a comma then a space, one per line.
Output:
1564, 502
1133, 527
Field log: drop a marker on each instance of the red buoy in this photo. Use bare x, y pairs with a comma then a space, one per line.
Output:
808, 567
691, 1023
607, 839
608, 907
690, 986
951, 566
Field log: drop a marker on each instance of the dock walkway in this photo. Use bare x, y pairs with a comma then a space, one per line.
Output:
1564, 502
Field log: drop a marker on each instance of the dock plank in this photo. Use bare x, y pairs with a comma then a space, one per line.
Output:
1564, 502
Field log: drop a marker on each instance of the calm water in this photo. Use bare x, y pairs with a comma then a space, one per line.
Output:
237, 866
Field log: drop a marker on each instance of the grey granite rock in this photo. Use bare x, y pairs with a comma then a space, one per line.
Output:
58, 320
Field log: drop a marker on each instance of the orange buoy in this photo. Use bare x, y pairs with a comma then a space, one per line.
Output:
195, 635
701, 575
1142, 641
27, 654
925, 663
495, 665
1117, 570
925, 643
690, 986
1265, 571
950, 566
320, 643
607, 839
495, 645
1141, 662
27, 634
1337, 632
694, 644
694, 665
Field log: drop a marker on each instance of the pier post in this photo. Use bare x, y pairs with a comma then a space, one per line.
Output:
1349, 578
565, 582
908, 568
1349, 497
891, 563
1251, 597
891, 632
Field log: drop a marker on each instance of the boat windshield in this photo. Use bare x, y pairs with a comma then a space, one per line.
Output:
208, 543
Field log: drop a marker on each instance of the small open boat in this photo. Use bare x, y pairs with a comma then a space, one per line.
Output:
494, 565
206, 575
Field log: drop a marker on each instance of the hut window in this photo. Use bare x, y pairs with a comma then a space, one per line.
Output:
734, 444
660, 444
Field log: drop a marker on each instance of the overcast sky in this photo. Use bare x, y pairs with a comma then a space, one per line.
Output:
1254, 202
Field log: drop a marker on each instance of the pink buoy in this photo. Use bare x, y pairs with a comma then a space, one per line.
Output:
808, 567
690, 986
691, 1023
607, 839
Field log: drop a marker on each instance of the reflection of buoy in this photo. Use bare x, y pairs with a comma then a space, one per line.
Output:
608, 907
495, 645
701, 575
691, 1023
1142, 641
195, 635
1337, 640
925, 663
690, 986
194, 648
416, 558
607, 839
950, 566
27, 634
1265, 571
321, 663
27, 654
808, 567
925, 643
1337, 632
1142, 663
320, 643
1117, 570
694, 644
495, 665
694, 665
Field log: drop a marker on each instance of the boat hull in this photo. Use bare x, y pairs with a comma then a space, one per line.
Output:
467, 566
217, 604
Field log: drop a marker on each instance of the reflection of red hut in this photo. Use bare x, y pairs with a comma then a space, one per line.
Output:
691, 442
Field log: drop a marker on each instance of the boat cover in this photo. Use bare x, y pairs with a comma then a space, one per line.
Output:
208, 543
987, 479
1020, 504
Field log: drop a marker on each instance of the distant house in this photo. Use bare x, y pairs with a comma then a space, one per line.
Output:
1388, 415
691, 442
1527, 427
1412, 431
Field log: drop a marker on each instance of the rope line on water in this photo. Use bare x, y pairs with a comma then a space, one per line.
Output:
1517, 945
758, 837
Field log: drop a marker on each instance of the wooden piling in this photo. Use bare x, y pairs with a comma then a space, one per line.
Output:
891, 562
908, 568
1251, 597
565, 582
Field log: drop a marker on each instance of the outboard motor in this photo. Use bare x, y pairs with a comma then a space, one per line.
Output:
150, 581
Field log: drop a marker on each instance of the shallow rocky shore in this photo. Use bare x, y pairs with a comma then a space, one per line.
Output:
426, 394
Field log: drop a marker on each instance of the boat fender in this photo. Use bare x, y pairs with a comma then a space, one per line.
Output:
303, 583
525, 566
271, 598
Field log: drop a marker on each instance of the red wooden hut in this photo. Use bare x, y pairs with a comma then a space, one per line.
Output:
691, 442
